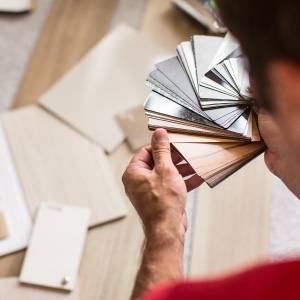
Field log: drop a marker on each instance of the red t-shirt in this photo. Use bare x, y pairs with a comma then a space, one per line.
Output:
279, 281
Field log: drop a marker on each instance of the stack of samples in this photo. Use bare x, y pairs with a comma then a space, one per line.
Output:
204, 100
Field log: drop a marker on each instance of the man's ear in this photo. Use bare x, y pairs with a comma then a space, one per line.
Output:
284, 90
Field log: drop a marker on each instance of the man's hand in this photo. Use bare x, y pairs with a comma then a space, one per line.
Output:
157, 190
156, 187
279, 157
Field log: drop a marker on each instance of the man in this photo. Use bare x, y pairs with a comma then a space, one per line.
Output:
269, 32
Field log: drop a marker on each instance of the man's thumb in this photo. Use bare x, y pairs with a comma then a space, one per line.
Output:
160, 146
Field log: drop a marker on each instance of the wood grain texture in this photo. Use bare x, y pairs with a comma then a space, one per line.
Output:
112, 252
72, 28
10, 265
12, 289
206, 157
57, 164
167, 25
232, 223
108, 80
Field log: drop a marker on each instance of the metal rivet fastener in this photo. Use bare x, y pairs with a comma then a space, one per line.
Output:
66, 280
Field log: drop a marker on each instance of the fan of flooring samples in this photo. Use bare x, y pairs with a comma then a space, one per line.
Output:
203, 99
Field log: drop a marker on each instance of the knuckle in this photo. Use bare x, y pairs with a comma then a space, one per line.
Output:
124, 178
127, 175
130, 173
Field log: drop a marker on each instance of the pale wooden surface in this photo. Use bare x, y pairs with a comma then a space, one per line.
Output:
232, 223
110, 257
57, 164
12, 289
72, 28
168, 26
108, 80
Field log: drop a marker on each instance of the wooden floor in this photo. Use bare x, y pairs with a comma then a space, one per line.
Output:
232, 223
112, 251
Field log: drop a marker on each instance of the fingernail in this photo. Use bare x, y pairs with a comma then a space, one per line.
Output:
160, 135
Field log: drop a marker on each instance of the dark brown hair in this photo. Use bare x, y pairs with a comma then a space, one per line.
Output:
267, 30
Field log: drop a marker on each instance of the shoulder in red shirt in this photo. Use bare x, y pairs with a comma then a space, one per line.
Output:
280, 281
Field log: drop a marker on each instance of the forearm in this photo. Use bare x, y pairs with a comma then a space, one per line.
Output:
158, 192
162, 261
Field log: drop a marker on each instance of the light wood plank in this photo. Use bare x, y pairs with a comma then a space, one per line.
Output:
232, 222
10, 265
55, 163
72, 28
108, 80
12, 289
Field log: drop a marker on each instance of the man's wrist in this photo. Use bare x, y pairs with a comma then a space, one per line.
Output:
162, 260
166, 232
166, 246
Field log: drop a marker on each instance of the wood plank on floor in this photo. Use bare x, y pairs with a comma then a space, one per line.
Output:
232, 223
72, 28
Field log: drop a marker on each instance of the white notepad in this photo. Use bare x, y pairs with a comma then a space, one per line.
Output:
56, 245
12, 203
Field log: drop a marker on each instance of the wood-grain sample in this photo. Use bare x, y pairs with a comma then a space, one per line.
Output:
55, 163
206, 157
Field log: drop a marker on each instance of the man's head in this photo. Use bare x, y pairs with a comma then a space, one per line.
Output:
269, 32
